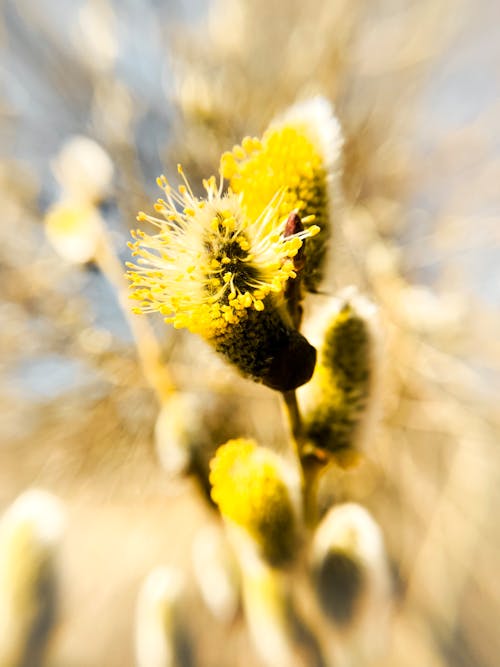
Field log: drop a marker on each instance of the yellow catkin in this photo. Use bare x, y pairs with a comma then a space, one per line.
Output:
297, 155
249, 489
209, 261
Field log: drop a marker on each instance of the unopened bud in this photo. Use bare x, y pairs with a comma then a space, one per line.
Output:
338, 400
159, 640
84, 170
30, 533
254, 489
74, 230
352, 582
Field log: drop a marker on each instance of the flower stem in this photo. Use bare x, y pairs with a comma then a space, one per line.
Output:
310, 465
148, 348
294, 419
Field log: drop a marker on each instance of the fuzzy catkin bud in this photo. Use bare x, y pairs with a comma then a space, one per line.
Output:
335, 401
183, 432
339, 567
30, 533
159, 634
250, 487
74, 230
84, 170
352, 582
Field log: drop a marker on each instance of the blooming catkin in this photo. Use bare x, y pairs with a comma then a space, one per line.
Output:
213, 269
225, 267
300, 154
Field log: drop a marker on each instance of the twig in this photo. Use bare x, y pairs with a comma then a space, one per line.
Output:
148, 348
311, 463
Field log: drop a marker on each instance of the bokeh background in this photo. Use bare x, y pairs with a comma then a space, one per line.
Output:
416, 88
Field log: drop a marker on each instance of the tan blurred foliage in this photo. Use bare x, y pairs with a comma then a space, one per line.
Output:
415, 88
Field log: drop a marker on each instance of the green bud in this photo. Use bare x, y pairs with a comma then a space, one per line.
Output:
335, 401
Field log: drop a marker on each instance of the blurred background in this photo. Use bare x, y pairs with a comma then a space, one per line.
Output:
416, 88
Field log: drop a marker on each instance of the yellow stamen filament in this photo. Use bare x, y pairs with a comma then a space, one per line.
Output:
209, 261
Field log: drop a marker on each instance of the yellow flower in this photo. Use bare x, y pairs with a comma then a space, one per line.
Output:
209, 263
220, 273
248, 485
299, 154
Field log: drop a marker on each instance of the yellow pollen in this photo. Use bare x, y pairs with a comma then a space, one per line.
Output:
181, 270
